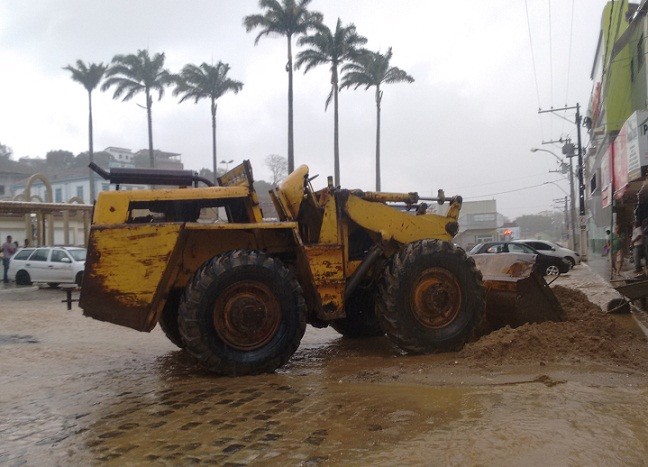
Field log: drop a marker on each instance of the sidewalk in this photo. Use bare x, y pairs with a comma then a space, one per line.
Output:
12, 287
600, 265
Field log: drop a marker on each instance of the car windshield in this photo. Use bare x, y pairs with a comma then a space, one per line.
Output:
78, 255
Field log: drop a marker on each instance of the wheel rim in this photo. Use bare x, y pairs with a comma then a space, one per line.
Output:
247, 315
436, 298
553, 271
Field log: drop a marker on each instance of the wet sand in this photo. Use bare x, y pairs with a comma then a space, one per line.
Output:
75, 390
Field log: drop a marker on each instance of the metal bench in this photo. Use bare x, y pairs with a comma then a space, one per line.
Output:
68, 289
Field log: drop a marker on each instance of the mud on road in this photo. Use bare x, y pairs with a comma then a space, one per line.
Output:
75, 390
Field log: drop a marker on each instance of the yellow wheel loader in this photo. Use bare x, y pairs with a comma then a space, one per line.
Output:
236, 291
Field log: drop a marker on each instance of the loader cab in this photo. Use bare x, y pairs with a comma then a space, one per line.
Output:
234, 201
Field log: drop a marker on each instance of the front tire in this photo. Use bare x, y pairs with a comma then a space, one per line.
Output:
242, 314
431, 298
22, 278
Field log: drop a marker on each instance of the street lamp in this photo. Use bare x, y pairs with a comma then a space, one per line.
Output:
227, 163
571, 190
563, 165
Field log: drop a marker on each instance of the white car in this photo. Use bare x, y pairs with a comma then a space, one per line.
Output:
553, 249
52, 264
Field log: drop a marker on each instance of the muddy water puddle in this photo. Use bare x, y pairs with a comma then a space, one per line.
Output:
79, 391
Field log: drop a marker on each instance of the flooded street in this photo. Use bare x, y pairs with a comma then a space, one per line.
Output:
75, 390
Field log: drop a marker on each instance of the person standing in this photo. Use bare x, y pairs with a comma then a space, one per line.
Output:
616, 240
637, 243
8, 249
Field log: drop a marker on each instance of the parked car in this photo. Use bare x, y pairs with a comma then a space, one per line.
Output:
53, 265
548, 265
553, 249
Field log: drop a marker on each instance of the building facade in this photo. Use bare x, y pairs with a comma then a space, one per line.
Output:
616, 160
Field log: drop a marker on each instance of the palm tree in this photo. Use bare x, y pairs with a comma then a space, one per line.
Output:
134, 73
206, 82
334, 49
285, 18
372, 69
89, 76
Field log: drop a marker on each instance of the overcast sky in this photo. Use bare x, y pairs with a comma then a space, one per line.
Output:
465, 125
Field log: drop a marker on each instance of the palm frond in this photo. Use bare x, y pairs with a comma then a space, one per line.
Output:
87, 75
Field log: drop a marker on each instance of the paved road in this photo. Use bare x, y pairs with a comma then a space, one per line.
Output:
78, 391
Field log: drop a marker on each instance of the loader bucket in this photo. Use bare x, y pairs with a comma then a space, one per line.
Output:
516, 293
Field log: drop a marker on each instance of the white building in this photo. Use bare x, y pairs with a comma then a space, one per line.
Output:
122, 157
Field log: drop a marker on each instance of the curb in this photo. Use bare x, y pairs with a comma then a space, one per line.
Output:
19, 289
635, 311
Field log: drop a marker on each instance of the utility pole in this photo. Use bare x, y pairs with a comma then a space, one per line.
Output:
568, 150
581, 185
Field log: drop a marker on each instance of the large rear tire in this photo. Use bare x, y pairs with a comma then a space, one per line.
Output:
169, 320
243, 314
361, 320
431, 298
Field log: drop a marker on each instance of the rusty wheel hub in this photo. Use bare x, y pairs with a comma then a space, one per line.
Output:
247, 315
436, 298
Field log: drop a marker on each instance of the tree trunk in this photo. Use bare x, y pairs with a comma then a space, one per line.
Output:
378, 99
213, 115
90, 148
291, 149
336, 131
149, 104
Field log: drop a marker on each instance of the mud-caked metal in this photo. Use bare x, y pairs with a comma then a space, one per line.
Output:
236, 291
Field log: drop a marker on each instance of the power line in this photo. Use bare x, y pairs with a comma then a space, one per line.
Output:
499, 181
511, 191
550, 60
533, 62
571, 36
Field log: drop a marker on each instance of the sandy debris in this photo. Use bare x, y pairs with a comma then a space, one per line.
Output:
587, 334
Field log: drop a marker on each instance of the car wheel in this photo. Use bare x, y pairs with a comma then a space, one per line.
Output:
22, 278
552, 270
572, 263
78, 280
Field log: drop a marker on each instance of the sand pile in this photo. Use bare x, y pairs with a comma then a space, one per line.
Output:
587, 334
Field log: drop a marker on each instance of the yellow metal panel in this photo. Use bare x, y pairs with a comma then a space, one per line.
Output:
112, 206
397, 225
291, 191
240, 226
327, 267
123, 270
329, 232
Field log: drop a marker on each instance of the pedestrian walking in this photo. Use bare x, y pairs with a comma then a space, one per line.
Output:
8, 249
617, 240
637, 244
